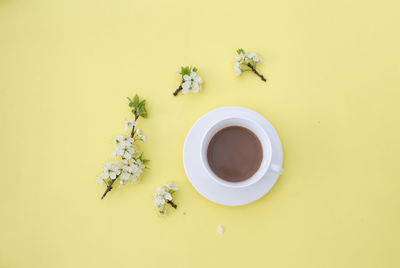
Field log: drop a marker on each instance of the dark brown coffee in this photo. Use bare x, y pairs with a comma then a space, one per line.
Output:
234, 154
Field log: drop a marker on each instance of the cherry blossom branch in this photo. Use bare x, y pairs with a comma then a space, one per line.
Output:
243, 59
131, 165
109, 187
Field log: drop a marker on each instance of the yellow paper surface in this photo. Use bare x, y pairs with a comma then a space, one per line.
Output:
66, 68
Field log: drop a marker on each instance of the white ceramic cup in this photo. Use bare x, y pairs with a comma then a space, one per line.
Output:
264, 139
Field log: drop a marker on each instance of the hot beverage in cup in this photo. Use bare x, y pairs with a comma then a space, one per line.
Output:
234, 154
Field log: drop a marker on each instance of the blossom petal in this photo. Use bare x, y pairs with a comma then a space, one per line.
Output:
198, 79
195, 87
168, 196
186, 85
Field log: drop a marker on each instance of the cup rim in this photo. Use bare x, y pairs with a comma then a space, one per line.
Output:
254, 127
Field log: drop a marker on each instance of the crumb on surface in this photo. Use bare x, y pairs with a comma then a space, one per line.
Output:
184, 212
221, 229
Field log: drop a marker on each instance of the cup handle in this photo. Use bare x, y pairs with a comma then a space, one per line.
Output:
277, 169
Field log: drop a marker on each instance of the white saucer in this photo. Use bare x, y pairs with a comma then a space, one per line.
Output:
199, 177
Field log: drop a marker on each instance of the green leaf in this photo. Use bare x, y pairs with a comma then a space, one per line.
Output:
142, 103
143, 111
240, 50
130, 102
185, 70
144, 161
136, 101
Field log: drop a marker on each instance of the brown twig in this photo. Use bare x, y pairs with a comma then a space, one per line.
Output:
172, 204
109, 187
257, 73
136, 118
178, 89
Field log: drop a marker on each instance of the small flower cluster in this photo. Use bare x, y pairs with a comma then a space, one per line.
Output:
129, 166
247, 62
191, 81
164, 197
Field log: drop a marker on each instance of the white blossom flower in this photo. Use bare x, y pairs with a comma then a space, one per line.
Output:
125, 147
159, 202
130, 124
164, 197
255, 58
240, 57
171, 186
186, 87
191, 81
140, 135
238, 68
131, 170
111, 170
124, 141
125, 152
119, 140
139, 167
128, 169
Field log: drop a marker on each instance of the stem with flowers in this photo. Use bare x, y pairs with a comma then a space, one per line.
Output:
164, 196
131, 163
244, 60
191, 81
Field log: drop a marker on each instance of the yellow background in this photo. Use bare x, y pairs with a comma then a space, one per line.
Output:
66, 68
